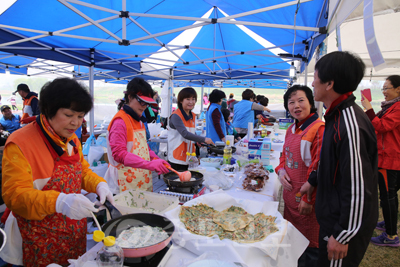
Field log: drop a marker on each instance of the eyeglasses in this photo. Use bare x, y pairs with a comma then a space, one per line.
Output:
141, 102
386, 88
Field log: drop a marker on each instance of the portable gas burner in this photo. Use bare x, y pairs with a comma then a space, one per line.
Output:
152, 260
184, 197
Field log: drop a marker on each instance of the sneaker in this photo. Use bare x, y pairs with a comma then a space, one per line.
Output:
381, 226
384, 241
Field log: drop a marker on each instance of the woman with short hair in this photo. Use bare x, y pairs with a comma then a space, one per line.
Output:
181, 136
215, 123
387, 127
43, 174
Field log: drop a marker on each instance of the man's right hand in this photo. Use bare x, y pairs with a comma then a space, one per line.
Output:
208, 141
308, 189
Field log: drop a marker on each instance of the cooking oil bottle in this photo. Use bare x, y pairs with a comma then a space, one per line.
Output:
227, 153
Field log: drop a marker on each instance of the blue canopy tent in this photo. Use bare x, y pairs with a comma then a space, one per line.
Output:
230, 40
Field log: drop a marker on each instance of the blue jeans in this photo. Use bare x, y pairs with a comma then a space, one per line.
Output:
389, 199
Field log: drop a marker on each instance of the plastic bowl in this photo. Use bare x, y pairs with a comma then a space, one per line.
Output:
210, 162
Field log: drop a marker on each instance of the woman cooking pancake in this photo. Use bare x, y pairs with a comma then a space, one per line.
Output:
43, 174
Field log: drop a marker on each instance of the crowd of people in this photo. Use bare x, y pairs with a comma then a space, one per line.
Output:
330, 170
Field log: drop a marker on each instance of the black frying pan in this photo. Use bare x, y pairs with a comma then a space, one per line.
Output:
115, 226
219, 150
171, 176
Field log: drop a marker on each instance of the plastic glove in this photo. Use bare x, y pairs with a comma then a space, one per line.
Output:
158, 166
103, 191
74, 206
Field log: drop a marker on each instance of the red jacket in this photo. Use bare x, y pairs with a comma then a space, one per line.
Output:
387, 131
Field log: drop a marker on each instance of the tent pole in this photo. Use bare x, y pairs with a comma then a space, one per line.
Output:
201, 97
305, 74
91, 89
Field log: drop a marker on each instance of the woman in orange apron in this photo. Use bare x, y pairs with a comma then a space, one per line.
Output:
131, 160
43, 174
298, 162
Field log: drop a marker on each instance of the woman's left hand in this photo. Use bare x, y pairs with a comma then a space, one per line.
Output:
304, 208
365, 103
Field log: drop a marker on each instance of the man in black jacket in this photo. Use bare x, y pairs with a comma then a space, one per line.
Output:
347, 197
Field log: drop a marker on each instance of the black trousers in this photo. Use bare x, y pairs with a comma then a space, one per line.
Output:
355, 253
389, 199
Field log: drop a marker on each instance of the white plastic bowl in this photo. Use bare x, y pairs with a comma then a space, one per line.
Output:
210, 162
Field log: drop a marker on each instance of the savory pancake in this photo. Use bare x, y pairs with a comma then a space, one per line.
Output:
231, 221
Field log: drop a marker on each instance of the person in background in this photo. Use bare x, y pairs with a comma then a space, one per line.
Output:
230, 101
244, 112
297, 163
131, 160
181, 136
215, 123
157, 98
13, 101
258, 114
9, 122
205, 99
387, 127
228, 123
224, 104
30, 107
347, 197
174, 100
43, 174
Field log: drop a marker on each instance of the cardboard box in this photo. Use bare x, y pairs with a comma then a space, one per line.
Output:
285, 123
260, 149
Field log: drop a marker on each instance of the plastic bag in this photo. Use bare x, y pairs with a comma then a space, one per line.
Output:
90, 141
95, 154
100, 170
154, 129
101, 141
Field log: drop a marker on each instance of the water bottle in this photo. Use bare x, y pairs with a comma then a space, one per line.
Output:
227, 153
189, 160
195, 160
110, 255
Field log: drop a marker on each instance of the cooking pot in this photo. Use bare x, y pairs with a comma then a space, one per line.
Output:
115, 226
178, 186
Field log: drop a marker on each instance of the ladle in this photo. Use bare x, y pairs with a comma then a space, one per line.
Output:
183, 176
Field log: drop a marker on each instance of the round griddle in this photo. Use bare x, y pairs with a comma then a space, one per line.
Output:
178, 186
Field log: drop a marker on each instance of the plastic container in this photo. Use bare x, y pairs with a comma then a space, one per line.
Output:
210, 162
110, 255
133, 201
195, 160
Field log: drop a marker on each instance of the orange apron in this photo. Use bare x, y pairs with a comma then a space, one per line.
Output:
297, 171
56, 238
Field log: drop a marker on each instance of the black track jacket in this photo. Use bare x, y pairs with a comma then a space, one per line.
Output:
347, 194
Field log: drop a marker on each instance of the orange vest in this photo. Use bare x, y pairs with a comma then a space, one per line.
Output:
120, 177
27, 109
177, 145
36, 153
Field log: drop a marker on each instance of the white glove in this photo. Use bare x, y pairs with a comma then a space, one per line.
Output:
74, 206
103, 191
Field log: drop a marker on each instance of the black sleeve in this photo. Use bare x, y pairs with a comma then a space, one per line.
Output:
35, 106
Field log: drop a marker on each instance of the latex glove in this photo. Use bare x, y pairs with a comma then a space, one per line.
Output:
74, 206
158, 166
103, 191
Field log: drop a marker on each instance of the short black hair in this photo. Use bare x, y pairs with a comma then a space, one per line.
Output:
259, 97
248, 94
226, 113
64, 93
263, 101
186, 92
306, 90
216, 96
345, 69
23, 87
138, 85
394, 80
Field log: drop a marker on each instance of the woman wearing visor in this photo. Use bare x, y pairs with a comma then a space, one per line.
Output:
131, 160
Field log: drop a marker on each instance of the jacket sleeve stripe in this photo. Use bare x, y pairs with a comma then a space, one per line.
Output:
356, 176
